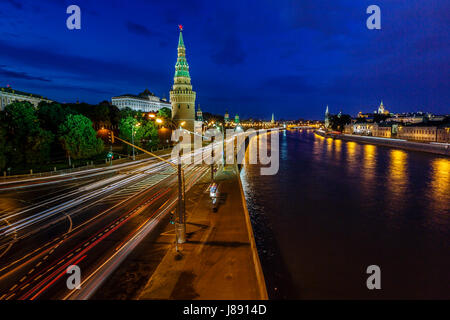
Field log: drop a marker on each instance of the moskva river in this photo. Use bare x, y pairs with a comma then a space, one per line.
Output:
336, 207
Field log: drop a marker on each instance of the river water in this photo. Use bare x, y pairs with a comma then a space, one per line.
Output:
336, 207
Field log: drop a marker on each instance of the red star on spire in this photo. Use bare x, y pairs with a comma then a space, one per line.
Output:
180, 27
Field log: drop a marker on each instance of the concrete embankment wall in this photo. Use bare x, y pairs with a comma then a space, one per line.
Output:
256, 260
394, 143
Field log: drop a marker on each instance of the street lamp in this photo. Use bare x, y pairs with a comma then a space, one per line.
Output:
181, 228
158, 120
132, 137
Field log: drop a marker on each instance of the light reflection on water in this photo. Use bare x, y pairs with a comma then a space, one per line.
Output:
335, 207
440, 189
397, 179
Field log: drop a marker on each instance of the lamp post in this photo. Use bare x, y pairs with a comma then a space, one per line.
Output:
181, 227
212, 159
222, 125
132, 137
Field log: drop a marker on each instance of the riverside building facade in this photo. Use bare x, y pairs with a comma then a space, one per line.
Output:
9, 95
145, 101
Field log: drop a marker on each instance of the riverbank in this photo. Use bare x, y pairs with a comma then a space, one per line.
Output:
441, 149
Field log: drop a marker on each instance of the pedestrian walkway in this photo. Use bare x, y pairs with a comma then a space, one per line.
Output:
219, 260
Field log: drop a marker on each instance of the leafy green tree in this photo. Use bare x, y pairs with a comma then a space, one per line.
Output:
165, 113
100, 114
150, 134
51, 115
128, 112
78, 137
3, 144
39, 147
114, 116
27, 142
130, 129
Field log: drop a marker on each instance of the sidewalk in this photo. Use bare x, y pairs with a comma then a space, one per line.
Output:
219, 260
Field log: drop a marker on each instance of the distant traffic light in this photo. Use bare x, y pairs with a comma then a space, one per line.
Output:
111, 136
171, 218
110, 155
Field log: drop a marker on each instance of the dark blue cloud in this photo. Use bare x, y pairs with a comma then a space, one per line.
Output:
11, 74
139, 29
16, 4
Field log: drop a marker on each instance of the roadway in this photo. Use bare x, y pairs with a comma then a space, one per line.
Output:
84, 219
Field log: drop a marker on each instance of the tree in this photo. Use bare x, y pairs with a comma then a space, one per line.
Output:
51, 115
78, 137
128, 112
100, 114
39, 147
380, 117
338, 122
114, 116
27, 142
165, 113
129, 127
3, 144
150, 134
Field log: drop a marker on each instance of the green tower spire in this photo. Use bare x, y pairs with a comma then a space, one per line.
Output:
181, 67
180, 40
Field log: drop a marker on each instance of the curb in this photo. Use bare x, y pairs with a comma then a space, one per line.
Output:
259, 273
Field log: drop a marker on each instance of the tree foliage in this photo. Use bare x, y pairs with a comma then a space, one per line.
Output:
30, 135
3, 145
51, 115
150, 134
165, 113
130, 129
145, 132
78, 137
26, 142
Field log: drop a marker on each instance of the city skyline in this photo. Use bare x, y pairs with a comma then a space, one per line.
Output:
329, 59
189, 155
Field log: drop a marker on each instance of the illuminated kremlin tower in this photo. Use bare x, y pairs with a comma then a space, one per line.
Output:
199, 114
181, 96
327, 118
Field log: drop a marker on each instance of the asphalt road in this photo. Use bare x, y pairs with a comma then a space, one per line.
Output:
91, 219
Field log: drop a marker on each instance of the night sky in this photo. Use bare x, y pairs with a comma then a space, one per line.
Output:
250, 57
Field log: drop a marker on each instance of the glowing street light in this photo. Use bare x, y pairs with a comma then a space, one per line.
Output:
132, 137
158, 120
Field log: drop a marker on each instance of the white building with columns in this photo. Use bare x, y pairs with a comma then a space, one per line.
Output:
9, 95
145, 101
